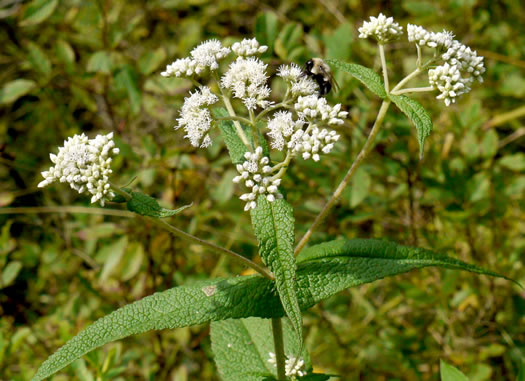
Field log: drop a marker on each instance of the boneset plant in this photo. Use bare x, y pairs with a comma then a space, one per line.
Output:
256, 320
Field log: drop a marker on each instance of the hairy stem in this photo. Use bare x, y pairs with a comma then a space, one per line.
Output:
283, 166
358, 160
383, 65
255, 133
277, 329
191, 238
236, 123
283, 104
233, 118
413, 90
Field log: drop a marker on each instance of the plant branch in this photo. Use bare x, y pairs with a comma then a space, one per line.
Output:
358, 160
191, 238
220, 250
283, 104
383, 65
282, 166
277, 329
413, 90
233, 118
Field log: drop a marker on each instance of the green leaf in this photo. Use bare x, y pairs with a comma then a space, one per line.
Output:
242, 347
521, 374
325, 270
366, 76
37, 11
151, 60
127, 79
65, 53
233, 142
289, 39
38, 59
145, 205
450, 373
132, 261
15, 89
514, 162
10, 272
418, 115
99, 62
266, 29
183, 306
359, 187
390, 253
113, 257
273, 223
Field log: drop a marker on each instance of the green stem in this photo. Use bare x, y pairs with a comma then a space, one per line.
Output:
358, 160
413, 90
283, 166
236, 123
191, 238
277, 329
237, 118
255, 133
283, 104
383, 65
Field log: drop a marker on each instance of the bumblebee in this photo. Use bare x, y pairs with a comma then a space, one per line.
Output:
320, 72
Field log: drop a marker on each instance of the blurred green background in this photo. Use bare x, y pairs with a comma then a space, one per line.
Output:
76, 66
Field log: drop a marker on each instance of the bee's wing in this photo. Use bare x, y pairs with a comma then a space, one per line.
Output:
334, 83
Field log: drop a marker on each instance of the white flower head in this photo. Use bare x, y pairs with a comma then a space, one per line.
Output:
293, 366
84, 164
183, 67
298, 83
465, 59
248, 47
290, 73
246, 78
423, 37
281, 127
313, 142
382, 28
195, 117
447, 79
315, 107
207, 55
255, 172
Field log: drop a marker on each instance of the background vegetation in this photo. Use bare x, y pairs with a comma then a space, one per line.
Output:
86, 66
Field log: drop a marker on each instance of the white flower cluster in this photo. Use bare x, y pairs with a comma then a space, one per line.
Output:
206, 55
382, 28
448, 80
465, 59
195, 118
246, 77
298, 83
84, 164
255, 174
313, 106
423, 37
310, 143
248, 47
293, 366
282, 127
461, 64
